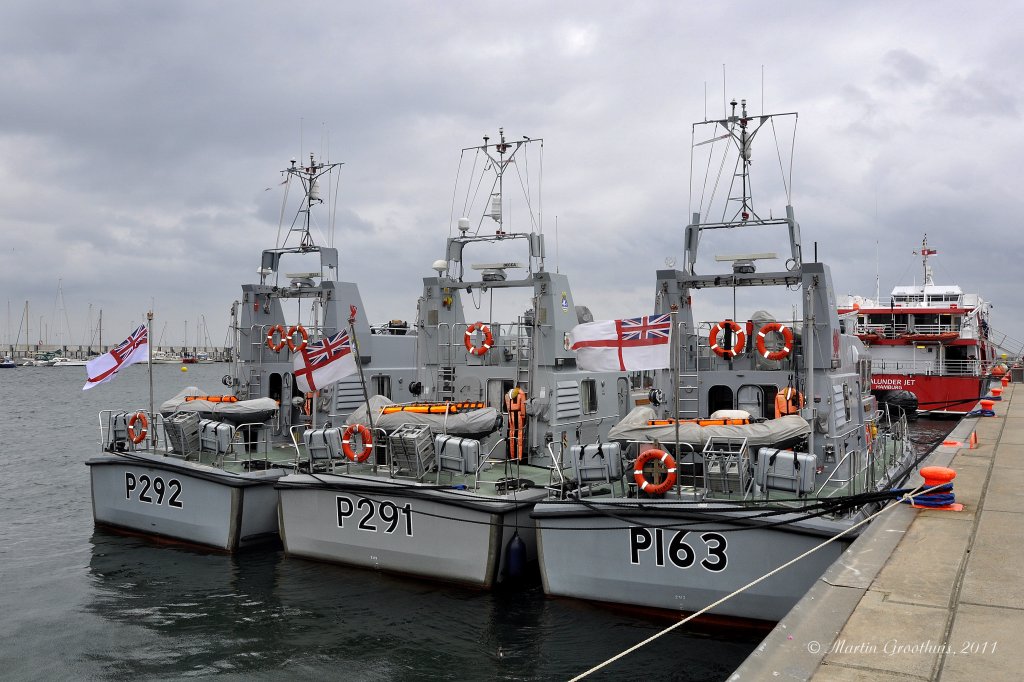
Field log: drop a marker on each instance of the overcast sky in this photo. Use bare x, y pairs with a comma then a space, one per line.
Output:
138, 140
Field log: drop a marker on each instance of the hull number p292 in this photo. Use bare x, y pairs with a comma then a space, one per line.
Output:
152, 490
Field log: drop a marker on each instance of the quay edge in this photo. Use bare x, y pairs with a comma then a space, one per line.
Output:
818, 638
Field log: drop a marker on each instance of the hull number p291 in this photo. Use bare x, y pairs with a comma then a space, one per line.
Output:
374, 516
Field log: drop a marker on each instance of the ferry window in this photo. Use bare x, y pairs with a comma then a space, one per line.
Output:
588, 396
381, 384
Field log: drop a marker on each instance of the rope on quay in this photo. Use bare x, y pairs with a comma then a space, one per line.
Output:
910, 495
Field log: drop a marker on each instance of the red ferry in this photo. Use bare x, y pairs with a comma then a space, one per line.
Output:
929, 339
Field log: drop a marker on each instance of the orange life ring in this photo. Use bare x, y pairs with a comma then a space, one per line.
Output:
787, 341
739, 340
346, 440
138, 436
488, 339
296, 347
788, 401
279, 330
641, 480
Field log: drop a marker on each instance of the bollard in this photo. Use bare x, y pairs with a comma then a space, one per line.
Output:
944, 500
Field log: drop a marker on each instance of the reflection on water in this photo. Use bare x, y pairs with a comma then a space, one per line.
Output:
260, 613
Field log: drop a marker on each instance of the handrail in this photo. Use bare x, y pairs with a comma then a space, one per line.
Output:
486, 459
154, 422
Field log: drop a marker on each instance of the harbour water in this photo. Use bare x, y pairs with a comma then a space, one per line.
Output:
81, 603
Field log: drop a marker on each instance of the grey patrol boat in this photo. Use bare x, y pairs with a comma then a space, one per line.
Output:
761, 442
201, 469
446, 487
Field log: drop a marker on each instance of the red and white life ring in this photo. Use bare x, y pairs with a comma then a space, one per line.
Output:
487, 342
140, 435
346, 442
739, 341
787, 341
275, 346
301, 331
641, 480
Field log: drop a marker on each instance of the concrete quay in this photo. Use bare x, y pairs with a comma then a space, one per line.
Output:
922, 594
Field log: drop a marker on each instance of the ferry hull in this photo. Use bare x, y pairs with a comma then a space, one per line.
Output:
654, 565
936, 393
441, 534
168, 498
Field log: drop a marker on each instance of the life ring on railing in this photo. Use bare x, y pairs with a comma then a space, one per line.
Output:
140, 435
279, 330
346, 440
739, 339
787, 341
301, 331
641, 480
483, 347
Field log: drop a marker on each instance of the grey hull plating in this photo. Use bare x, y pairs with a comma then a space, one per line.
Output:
442, 534
683, 570
194, 504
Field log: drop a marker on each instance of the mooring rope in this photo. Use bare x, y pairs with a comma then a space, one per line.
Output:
910, 495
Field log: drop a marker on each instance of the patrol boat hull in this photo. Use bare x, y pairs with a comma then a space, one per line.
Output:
183, 501
678, 562
396, 526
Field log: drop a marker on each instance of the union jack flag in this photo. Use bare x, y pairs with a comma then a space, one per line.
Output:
646, 328
327, 350
136, 339
324, 361
133, 349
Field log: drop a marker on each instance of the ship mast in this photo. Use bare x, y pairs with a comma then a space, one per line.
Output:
739, 128
309, 176
925, 252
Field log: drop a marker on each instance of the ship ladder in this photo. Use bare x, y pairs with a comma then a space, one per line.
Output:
689, 398
446, 383
523, 358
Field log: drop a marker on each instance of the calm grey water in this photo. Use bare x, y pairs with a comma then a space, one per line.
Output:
81, 603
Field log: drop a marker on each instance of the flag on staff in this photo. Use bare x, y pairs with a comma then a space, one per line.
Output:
133, 349
631, 344
324, 362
